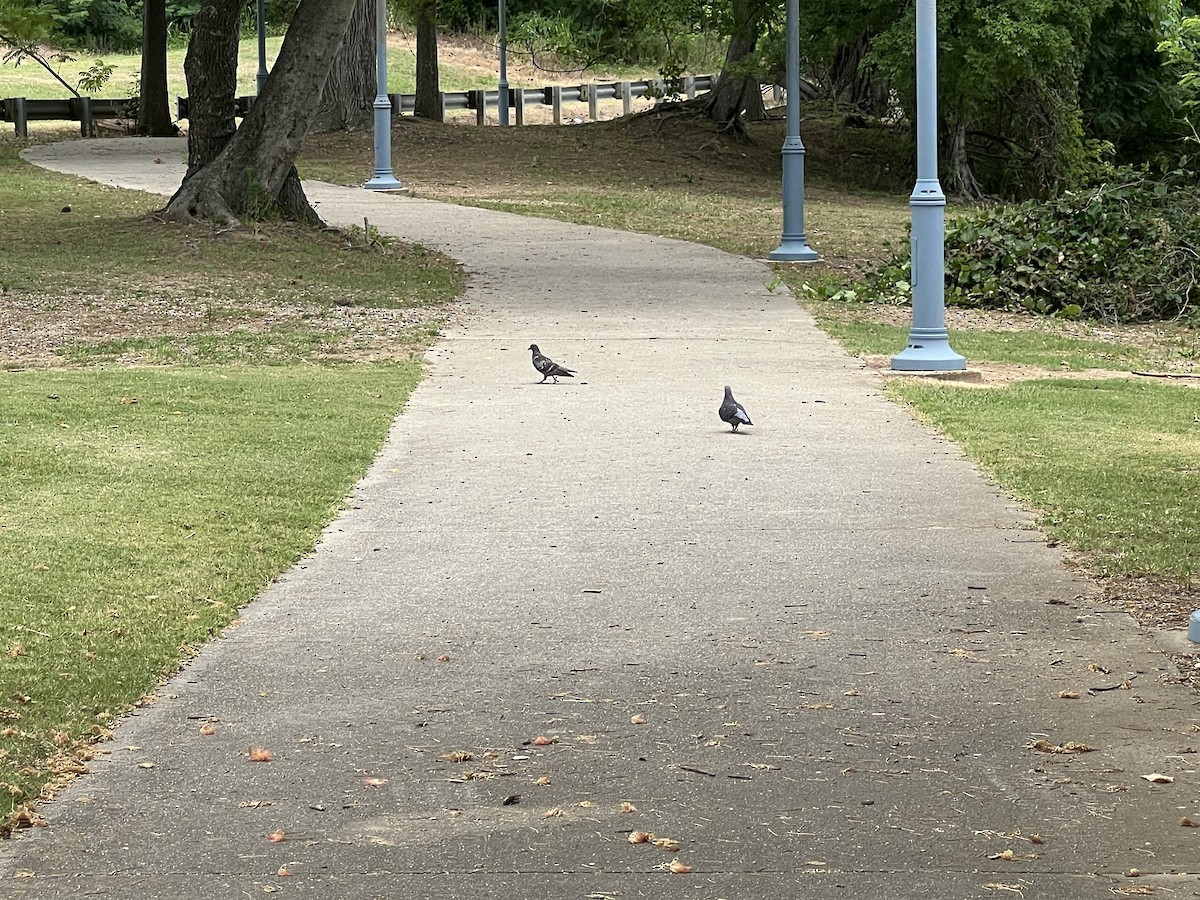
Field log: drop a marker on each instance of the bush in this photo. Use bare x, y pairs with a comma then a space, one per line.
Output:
1126, 250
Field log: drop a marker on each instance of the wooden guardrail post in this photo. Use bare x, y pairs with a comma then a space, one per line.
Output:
623, 91
556, 104
20, 115
518, 95
87, 127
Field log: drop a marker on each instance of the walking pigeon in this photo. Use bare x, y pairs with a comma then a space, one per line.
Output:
548, 367
733, 412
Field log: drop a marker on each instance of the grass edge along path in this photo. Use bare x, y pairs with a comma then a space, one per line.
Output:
1109, 464
139, 509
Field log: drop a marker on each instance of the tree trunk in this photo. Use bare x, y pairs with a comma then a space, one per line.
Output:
211, 71
428, 101
738, 90
348, 100
154, 105
253, 175
856, 84
962, 178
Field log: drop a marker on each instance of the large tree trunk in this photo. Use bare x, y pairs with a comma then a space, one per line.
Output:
428, 101
348, 100
253, 175
211, 71
856, 84
738, 91
154, 105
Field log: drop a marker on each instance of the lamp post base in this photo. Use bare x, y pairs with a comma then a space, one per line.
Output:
794, 251
385, 182
928, 354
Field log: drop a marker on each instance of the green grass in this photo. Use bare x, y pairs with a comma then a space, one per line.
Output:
1112, 464
67, 237
131, 531
1033, 347
31, 81
140, 507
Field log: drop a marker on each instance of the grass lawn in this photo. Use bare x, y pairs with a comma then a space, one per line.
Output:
183, 410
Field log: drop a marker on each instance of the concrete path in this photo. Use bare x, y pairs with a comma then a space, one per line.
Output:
820, 655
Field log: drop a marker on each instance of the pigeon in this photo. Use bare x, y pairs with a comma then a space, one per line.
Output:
733, 412
548, 367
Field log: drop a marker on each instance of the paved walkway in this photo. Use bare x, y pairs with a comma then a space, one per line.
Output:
818, 655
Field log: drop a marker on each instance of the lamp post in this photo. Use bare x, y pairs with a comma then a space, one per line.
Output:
928, 347
383, 179
503, 38
262, 47
793, 246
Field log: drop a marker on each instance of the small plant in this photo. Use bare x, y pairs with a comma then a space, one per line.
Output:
95, 77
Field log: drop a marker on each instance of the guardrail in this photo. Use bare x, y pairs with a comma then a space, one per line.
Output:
519, 98
86, 110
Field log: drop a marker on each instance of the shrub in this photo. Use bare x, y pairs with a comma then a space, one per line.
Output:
1125, 250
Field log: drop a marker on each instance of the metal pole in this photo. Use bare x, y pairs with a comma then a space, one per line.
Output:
793, 246
928, 347
262, 47
383, 179
503, 98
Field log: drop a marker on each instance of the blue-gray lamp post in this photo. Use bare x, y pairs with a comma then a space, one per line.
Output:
383, 179
928, 347
793, 246
503, 40
262, 47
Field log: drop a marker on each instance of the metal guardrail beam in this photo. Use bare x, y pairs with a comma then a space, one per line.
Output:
86, 110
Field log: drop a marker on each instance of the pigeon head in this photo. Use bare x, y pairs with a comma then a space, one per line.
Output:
728, 391
534, 348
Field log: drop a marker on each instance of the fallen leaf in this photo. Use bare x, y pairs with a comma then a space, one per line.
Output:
456, 756
543, 741
278, 836
817, 634
667, 844
1096, 667
1044, 746
270, 888
627, 808
552, 813
129, 401
853, 692
640, 837
1159, 778
1068, 695
1001, 886
639, 719
1036, 839
1188, 823
445, 657
259, 754
375, 782
283, 872
1006, 855
206, 730
586, 804
146, 765
679, 867
511, 800
543, 781
1134, 873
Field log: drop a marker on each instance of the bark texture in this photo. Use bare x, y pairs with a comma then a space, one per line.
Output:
348, 99
738, 91
210, 68
428, 100
253, 174
154, 104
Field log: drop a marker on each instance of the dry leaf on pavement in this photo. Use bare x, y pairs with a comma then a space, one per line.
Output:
259, 754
